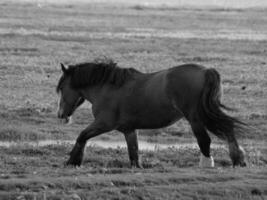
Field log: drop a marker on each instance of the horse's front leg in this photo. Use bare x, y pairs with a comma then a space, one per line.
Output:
76, 155
132, 144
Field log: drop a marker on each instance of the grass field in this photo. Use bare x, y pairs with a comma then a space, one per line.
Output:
35, 38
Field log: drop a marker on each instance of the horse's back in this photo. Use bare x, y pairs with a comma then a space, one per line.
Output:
190, 75
155, 87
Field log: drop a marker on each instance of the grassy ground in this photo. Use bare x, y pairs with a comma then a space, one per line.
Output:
38, 172
34, 39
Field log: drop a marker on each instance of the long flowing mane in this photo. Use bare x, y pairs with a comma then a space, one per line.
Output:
97, 73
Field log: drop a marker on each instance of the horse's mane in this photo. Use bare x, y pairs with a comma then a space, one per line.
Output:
97, 73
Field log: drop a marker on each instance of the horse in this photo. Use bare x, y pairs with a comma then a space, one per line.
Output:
125, 99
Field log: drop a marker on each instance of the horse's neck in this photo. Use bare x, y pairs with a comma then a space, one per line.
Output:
94, 93
91, 93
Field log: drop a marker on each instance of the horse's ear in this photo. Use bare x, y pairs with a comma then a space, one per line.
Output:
63, 68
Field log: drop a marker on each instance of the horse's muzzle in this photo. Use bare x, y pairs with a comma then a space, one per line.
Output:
64, 119
60, 115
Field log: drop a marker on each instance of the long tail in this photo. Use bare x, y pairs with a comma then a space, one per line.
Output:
211, 110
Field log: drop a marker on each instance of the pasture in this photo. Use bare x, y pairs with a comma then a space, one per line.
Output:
35, 38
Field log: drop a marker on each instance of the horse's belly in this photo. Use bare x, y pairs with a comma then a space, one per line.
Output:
157, 124
150, 119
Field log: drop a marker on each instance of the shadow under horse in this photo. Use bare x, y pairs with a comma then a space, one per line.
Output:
126, 99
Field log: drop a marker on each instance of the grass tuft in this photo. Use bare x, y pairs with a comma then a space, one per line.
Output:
16, 134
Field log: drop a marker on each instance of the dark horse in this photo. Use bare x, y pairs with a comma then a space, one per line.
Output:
125, 99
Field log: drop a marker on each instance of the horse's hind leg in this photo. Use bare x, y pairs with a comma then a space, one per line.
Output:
236, 152
204, 142
132, 144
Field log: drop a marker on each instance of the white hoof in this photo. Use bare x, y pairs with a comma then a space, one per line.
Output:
206, 162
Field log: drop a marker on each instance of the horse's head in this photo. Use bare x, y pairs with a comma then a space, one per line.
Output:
69, 98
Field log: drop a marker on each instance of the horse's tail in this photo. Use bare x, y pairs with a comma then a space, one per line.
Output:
211, 110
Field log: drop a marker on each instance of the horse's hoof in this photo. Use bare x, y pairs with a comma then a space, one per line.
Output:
136, 166
206, 162
240, 164
139, 166
75, 163
243, 165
